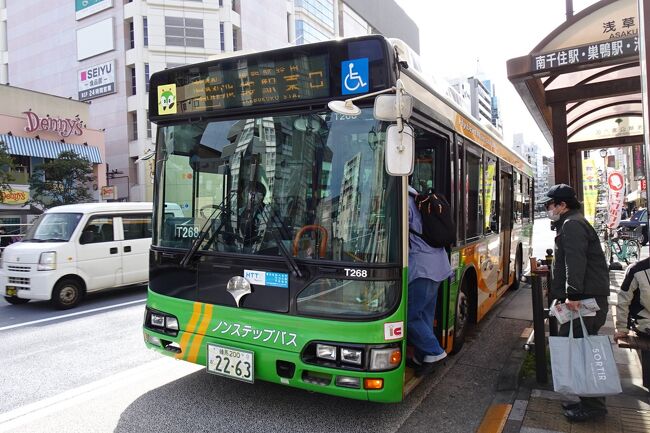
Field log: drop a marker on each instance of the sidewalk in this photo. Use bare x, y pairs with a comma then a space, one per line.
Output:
536, 408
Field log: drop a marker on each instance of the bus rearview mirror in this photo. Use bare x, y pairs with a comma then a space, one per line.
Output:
386, 108
399, 150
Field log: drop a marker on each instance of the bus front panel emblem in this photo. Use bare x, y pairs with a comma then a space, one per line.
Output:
238, 287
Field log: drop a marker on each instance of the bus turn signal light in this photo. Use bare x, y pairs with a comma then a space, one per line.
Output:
396, 357
373, 383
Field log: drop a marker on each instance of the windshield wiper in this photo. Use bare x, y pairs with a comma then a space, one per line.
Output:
200, 238
288, 258
204, 232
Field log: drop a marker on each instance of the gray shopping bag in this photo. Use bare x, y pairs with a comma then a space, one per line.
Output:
584, 366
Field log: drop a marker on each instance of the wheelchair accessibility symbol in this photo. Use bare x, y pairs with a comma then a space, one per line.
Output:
354, 76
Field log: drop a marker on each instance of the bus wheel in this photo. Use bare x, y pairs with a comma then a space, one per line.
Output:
15, 300
518, 271
464, 310
66, 294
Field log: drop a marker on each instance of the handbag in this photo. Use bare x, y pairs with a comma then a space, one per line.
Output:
584, 366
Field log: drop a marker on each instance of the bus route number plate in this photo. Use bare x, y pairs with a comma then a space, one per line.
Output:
234, 363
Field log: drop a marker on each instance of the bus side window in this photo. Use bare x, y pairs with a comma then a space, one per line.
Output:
473, 185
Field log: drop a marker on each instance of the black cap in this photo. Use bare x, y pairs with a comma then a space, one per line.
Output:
559, 192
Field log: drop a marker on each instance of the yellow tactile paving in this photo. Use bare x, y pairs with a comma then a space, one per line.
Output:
547, 415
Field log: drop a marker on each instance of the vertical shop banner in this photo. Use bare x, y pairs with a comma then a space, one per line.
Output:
590, 188
85, 8
639, 161
616, 185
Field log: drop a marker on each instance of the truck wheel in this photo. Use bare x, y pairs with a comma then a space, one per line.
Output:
15, 300
67, 294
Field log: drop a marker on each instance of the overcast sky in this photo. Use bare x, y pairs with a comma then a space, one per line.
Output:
459, 37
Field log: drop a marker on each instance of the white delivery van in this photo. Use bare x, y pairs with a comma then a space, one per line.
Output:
76, 249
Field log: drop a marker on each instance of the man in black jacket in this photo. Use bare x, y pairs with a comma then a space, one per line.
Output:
579, 272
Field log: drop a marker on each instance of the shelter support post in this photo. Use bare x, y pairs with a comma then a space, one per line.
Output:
644, 43
560, 147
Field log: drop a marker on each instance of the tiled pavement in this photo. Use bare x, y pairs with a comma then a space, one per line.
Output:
536, 408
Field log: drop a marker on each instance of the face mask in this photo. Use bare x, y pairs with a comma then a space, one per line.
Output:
552, 216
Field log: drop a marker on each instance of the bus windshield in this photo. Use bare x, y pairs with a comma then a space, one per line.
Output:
310, 185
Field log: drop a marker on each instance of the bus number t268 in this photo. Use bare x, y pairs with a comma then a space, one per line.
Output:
359, 273
183, 231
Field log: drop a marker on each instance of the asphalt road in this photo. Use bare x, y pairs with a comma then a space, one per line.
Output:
87, 370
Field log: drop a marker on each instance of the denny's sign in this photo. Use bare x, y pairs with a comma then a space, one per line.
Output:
63, 127
13, 196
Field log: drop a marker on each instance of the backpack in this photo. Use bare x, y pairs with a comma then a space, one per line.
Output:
438, 227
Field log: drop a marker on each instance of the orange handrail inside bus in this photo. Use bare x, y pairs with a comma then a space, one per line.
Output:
311, 227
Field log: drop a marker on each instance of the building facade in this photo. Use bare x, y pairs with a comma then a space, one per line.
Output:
103, 52
37, 127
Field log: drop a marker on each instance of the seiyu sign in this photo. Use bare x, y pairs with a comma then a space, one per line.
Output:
96, 81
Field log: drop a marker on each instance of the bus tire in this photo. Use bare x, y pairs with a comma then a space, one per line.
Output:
518, 270
465, 311
67, 293
15, 300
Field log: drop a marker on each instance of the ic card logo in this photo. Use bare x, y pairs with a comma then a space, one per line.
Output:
393, 330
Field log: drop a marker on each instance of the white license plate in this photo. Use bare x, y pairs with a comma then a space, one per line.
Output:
234, 363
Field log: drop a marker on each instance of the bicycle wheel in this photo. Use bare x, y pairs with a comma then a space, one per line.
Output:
633, 251
607, 249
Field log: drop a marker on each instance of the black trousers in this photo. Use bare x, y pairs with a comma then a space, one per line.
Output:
593, 324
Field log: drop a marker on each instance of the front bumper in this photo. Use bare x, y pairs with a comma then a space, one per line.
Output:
28, 284
270, 366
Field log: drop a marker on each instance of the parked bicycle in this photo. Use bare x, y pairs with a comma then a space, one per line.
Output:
622, 245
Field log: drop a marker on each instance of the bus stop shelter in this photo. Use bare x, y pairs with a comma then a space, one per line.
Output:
582, 84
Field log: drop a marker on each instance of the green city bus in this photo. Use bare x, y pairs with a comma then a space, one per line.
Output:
280, 244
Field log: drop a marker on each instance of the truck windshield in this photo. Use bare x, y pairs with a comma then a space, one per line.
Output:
314, 183
53, 227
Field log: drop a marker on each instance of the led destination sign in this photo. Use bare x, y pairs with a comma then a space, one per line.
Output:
244, 83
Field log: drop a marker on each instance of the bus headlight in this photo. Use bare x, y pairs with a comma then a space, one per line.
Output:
161, 322
353, 356
385, 359
47, 261
325, 351
171, 323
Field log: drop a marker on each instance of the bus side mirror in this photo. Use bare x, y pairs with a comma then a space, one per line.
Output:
399, 150
386, 107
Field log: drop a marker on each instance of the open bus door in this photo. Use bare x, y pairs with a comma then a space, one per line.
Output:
505, 217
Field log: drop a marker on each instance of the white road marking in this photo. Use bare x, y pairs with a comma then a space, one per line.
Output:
78, 313
141, 379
